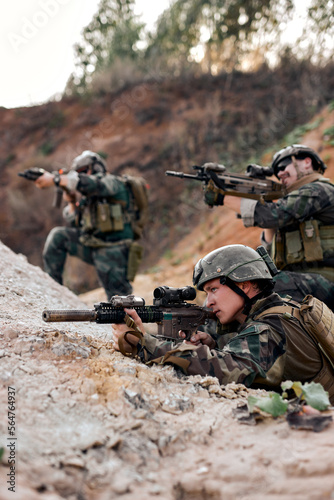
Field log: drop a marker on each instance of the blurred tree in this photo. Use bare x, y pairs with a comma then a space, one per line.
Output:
113, 33
322, 14
222, 29
319, 31
210, 35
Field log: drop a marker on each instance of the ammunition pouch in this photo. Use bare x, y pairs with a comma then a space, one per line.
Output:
311, 241
293, 248
103, 217
135, 258
109, 218
309, 244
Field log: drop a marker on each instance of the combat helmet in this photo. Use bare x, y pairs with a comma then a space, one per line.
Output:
89, 159
235, 264
299, 151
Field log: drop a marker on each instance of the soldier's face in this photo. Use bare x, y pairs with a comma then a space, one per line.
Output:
289, 175
226, 304
294, 170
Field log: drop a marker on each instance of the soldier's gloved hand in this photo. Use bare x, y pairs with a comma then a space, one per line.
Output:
258, 172
213, 195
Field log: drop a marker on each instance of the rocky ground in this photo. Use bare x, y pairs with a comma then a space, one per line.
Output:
89, 424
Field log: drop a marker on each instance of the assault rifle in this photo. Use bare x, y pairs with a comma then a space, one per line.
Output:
170, 311
255, 187
32, 174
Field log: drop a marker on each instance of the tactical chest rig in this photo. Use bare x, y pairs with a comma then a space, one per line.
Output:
108, 214
309, 243
102, 215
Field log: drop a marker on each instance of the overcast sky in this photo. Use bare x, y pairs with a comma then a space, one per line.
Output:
36, 44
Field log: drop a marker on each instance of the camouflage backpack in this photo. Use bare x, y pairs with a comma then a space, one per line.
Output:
318, 321
316, 318
139, 190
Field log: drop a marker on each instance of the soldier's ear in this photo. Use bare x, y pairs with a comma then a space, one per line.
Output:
307, 166
309, 162
242, 285
245, 286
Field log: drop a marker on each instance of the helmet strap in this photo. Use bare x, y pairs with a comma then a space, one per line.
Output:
248, 301
228, 282
295, 164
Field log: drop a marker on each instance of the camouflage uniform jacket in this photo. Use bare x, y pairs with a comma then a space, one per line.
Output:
104, 190
313, 200
262, 353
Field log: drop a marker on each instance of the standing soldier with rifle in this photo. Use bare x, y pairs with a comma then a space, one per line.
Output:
103, 220
297, 216
299, 227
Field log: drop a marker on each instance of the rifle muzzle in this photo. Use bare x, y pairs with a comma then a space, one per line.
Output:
76, 315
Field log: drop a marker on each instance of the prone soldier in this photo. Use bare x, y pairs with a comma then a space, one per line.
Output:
268, 341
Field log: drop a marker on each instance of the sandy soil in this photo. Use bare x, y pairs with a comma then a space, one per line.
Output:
90, 424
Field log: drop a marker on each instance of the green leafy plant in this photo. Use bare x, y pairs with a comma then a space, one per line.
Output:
312, 393
328, 135
273, 404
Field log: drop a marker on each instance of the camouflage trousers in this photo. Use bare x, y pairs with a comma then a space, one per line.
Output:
110, 262
298, 285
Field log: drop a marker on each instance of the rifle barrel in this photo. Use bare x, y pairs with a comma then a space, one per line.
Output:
182, 175
65, 315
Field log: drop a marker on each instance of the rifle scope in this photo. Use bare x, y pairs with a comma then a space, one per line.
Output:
172, 295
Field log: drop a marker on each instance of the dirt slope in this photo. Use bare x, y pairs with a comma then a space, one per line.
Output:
90, 424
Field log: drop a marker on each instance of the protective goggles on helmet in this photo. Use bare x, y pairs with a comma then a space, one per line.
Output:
283, 164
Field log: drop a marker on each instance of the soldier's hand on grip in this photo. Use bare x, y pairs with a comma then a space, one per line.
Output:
213, 195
